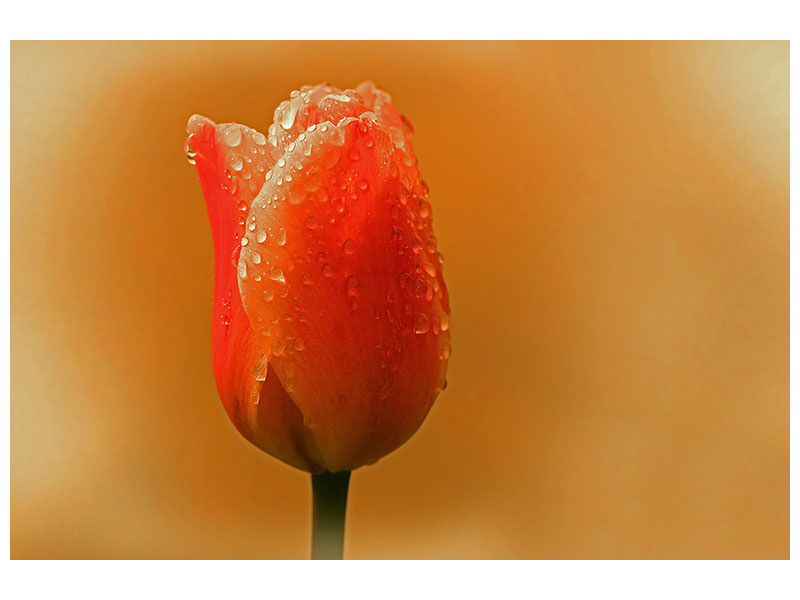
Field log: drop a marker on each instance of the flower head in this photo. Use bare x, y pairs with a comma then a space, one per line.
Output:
331, 317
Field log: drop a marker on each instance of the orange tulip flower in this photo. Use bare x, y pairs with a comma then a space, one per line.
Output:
331, 319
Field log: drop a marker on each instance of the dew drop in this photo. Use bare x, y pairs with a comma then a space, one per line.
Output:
312, 223
327, 270
421, 324
232, 136
259, 139
281, 162
331, 159
242, 270
280, 238
236, 162
349, 246
245, 241
276, 274
190, 155
288, 115
445, 322
299, 345
260, 368
312, 181
337, 137
256, 258
307, 279
424, 209
418, 287
352, 286
278, 347
261, 236
268, 296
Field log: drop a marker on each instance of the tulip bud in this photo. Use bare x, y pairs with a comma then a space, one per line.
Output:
331, 319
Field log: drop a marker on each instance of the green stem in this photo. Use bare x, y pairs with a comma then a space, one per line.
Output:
330, 504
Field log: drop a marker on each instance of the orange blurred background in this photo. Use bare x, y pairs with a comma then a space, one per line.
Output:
615, 224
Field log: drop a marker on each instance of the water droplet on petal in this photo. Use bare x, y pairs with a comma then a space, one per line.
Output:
259, 139
418, 287
421, 324
256, 258
312, 181
232, 136
445, 322
276, 274
352, 286
349, 246
278, 347
260, 368
337, 138
424, 209
288, 115
261, 236
331, 159
236, 162
280, 238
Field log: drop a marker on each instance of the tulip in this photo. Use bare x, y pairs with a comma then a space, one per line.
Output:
330, 333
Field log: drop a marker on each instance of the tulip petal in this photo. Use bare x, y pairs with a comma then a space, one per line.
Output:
231, 162
342, 274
